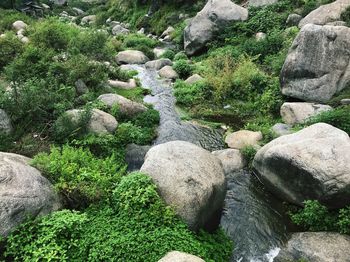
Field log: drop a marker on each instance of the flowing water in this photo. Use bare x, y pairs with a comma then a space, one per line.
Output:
252, 217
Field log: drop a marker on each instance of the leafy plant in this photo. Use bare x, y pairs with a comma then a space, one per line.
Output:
183, 68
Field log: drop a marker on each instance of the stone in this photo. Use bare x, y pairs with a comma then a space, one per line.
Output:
316, 247
299, 112
260, 36
168, 32
313, 163
100, 122
243, 138
23, 192
81, 87
345, 101
119, 30
168, 72
18, 25
176, 256
158, 64
215, 15
293, 19
337, 23
318, 63
259, 3
158, 51
232, 160
190, 179
280, 129
135, 156
326, 13
60, 2
24, 40
131, 84
78, 11
89, 19
125, 106
194, 79
5, 123
131, 57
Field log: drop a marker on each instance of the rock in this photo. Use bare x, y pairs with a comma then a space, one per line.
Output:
131, 84
100, 122
298, 113
158, 64
194, 79
243, 138
345, 101
318, 63
260, 36
131, 57
126, 106
232, 160
23, 192
337, 23
45, 6
176, 256
135, 156
18, 25
78, 11
326, 13
211, 19
81, 87
190, 179
313, 163
293, 19
168, 72
89, 19
316, 247
141, 31
168, 32
24, 40
158, 51
5, 123
119, 30
258, 3
280, 129
60, 2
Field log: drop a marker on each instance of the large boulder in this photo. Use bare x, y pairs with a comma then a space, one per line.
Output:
316, 247
243, 138
119, 30
318, 63
211, 19
5, 123
176, 256
89, 19
158, 64
231, 159
19, 25
190, 179
125, 106
194, 79
258, 3
326, 13
131, 84
23, 192
168, 72
298, 113
313, 163
131, 57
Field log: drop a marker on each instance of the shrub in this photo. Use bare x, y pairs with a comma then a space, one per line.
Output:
150, 119
249, 153
183, 68
170, 54
345, 16
10, 16
128, 133
10, 47
189, 95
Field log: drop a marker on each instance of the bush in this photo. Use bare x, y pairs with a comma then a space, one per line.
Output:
128, 133
189, 95
78, 175
170, 54
10, 47
183, 68
10, 16
249, 153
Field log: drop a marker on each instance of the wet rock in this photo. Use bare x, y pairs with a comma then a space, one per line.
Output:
313, 163
190, 179
243, 138
258, 3
194, 79
298, 113
135, 156
176, 256
293, 19
316, 247
81, 87
232, 160
168, 72
281, 129
131, 57
158, 64
5, 123
18, 25
23, 192
131, 84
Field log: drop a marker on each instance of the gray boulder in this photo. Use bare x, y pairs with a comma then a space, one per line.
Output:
125, 106
194, 79
5, 123
298, 113
176, 256
131, 84
326, 13
23, 192
293, 19
19, 25
60, 2
81, 87
313, 163
190, 179
119, 30
243, 138
232, 159
280, 129
318, 63
258, 3
89, 19
168, 72
159, 51
210, 20
158, 64
345, 101
131, 57
316, 247
135, 156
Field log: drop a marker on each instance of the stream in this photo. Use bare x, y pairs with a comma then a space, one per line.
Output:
252, 217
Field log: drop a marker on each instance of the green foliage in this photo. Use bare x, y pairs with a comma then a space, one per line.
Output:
128, 133
345, 16
140, 228
188, 95
79, 175
139, 42
316, 217
249, 153
10, 47
10, 16
180, 56
150, 118
184, 68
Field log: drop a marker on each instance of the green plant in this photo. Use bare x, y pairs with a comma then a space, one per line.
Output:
10, 47
189, 95
10, 16
170, 54
249, 153
184, 68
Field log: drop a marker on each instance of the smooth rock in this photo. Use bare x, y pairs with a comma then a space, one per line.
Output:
168, 32
5, 123
18, 25
280, 129
243, 138
81, 87
194, 79
78, 11
89, 19
316, 247
298, 113
24, 192
168, 72
158, 51
135, 156
260, 36
158, 64
119, 30
293, 19
131, 84
259, 3
345, 101
313, 163
60, 2
190, 179
126, 106
131, 57
318, 63
176, 256
232, 159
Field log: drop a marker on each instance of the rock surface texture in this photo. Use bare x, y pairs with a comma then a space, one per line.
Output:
23, 192
190, 179
243, 138
211, 19
318, 63
258, 3
176, 256
131, 57
313, 163
5, 123
232, 159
